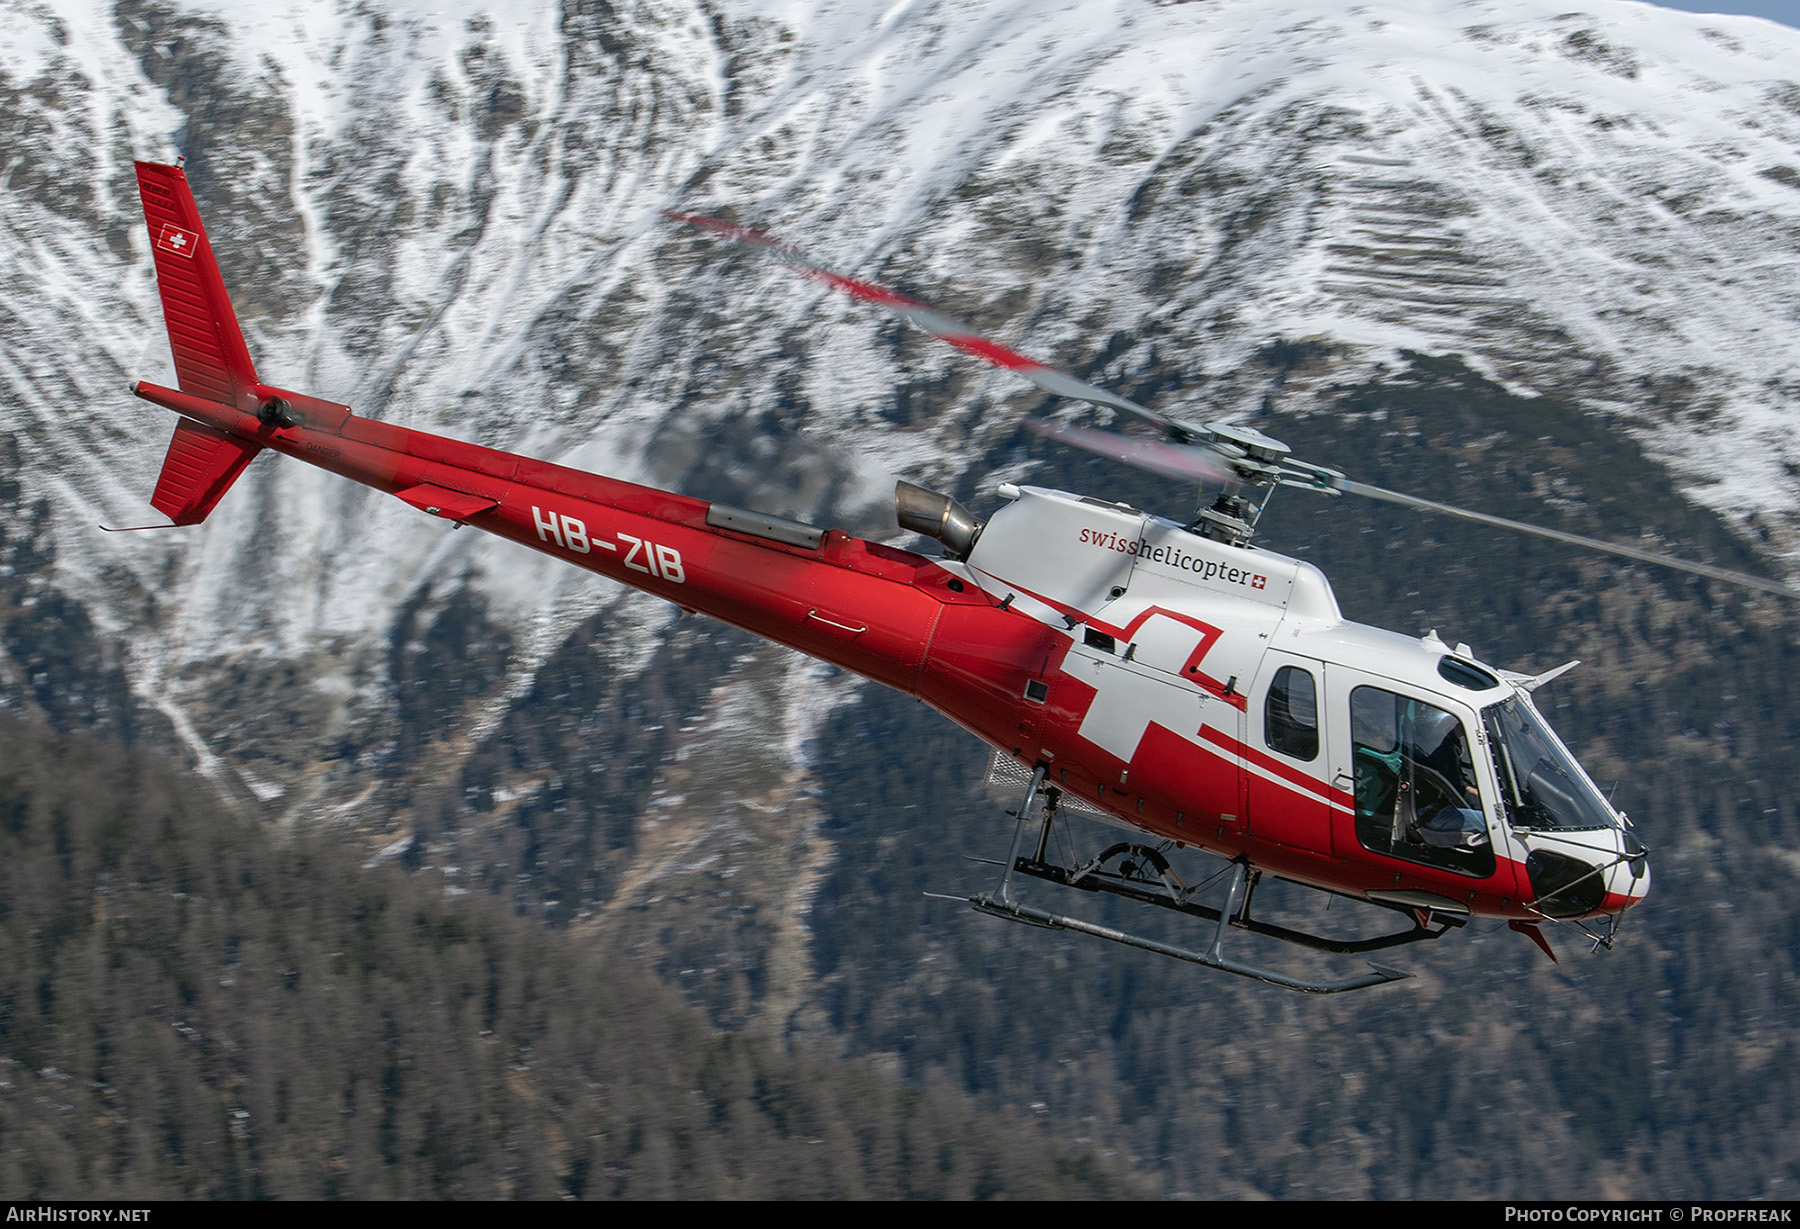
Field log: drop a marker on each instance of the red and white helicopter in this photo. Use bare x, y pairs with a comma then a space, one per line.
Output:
1170, 679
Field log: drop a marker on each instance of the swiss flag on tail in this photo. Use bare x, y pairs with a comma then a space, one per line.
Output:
173, 239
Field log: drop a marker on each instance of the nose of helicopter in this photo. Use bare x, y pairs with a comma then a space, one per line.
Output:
1638, 869
1628, 879
1587, 874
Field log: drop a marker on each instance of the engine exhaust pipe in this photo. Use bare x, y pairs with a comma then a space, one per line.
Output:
936, 516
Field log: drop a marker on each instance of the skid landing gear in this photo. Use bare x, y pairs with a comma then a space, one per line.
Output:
1142, 873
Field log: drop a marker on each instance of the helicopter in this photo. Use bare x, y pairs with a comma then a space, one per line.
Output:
1168, 679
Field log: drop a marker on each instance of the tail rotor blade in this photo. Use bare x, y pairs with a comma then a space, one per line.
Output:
1571, 539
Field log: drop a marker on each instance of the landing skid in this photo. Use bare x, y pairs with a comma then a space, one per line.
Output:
1142, 874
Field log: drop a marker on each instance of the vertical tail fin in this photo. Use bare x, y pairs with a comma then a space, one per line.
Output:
211, 360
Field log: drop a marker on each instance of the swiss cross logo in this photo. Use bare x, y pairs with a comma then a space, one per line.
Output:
174, 239
1259, 582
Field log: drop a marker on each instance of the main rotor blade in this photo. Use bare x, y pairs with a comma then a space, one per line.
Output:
923, 316
1571, 539
1191, 464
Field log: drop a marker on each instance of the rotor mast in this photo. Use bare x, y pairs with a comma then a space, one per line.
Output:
1255, 461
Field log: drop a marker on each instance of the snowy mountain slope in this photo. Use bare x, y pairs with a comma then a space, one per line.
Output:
1542, 189
449, 216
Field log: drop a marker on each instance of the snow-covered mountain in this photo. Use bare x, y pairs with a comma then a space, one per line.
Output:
450, 217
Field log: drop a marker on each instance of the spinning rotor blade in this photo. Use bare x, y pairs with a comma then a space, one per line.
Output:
1214, 453
1192, 464
923, 316
1571, 539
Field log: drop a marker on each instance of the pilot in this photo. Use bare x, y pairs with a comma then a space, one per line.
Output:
1446, 801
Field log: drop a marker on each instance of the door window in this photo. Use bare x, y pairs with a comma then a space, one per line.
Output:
1291, 714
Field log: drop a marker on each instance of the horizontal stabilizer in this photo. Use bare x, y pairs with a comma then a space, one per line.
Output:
451, 505
201, 466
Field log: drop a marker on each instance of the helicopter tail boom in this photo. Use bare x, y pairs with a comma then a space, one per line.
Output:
865, 607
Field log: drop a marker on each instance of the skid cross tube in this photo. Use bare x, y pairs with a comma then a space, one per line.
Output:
1239, 914
1212, 958
1096, 877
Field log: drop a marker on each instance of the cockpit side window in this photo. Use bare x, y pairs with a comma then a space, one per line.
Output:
1416, 792
1291, 714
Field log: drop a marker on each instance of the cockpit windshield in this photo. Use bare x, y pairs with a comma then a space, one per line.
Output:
1542, 786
